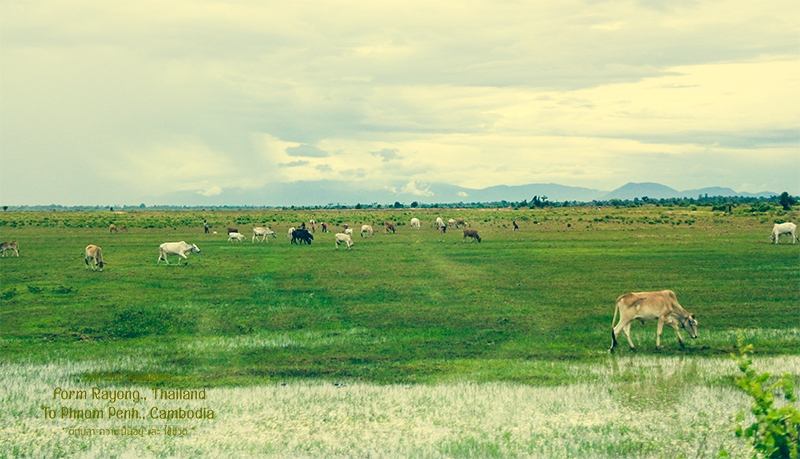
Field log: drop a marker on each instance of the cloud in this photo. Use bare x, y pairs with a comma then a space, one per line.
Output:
416, 189
387, 154
214, 190
297, 163
306, 151
462, 194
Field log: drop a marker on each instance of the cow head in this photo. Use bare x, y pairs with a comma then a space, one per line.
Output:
195, 249
690, 324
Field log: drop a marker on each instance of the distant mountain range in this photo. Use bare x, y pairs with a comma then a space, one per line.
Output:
334, 192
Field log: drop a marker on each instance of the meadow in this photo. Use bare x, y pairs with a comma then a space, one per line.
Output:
415, 343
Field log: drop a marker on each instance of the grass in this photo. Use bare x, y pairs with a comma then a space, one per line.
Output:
524, 312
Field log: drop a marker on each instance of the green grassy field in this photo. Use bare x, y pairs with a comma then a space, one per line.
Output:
531, 308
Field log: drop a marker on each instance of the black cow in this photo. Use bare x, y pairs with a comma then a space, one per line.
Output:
302, 235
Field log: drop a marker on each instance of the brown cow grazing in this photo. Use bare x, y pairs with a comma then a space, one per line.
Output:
324, 227
6, 246
112, 228
662, 306
389, 227
94, 254
460, 222
473, 234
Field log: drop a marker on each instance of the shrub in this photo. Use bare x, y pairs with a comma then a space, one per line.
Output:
774, 432
8, 294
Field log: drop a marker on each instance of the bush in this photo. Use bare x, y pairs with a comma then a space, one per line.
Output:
774, 433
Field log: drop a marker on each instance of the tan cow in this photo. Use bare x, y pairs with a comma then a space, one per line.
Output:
94, 254
342, 238
366, 230
6, 246
662, 306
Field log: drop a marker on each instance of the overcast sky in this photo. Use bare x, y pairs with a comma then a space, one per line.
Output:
119, 101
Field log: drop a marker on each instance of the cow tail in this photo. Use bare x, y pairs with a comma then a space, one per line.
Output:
614, 319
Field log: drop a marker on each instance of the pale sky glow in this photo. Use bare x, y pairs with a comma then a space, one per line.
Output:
128, 101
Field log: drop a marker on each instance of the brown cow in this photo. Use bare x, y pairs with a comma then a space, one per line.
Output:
662, 305
12, 246
389, 227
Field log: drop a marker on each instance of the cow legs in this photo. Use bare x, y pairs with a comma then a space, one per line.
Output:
623, 327
659, 330
678, 334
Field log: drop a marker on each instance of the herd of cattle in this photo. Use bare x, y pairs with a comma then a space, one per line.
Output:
661, 305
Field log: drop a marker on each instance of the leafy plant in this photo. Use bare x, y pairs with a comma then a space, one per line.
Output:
774, 432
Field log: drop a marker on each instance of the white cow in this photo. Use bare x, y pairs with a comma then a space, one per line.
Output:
349, 231
439, 222
238, 237
342, 238
415, 223
291, 230
93, 257
262, 233
175, 248
451, 222
784, 228
662, 306
366, 230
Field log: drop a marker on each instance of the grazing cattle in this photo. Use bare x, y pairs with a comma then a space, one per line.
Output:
313, 224
6, 246
262, 233
784, 228
451, 222
460, 222
238, 237
112, 228
324, 227
206, 227
175, 248
345, 226
289, 233
415, 223
442, 228
389, 227
516, 227
232, 230
342, 238
349, 231
662, 306
438, 223
471, 233
366, 230
302, 235
93, 257
122, 229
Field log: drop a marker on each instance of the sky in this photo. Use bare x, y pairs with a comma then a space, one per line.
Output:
127, 101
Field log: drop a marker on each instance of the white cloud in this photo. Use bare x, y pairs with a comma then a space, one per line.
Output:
416, 189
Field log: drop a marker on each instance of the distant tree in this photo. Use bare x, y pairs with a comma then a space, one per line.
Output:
786, 201
142, 206
398, 205
415, 204
5, 208
111, 209
358, 205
